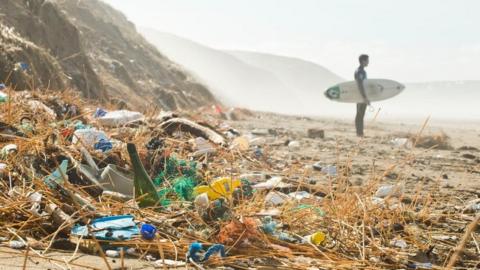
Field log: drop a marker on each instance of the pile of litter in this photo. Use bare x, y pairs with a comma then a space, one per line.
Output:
177, 192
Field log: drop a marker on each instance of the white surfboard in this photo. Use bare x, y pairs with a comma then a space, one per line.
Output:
375, 89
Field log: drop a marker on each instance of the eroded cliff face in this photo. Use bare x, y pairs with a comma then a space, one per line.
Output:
89, 46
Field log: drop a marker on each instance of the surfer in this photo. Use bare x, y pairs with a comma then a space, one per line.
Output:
360, 76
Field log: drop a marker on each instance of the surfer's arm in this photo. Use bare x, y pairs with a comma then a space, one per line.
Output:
362, 91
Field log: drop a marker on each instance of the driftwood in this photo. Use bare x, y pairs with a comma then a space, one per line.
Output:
184, 125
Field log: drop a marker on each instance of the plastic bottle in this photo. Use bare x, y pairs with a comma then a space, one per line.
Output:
144, 187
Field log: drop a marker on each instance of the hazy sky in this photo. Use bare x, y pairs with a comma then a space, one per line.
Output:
409, 40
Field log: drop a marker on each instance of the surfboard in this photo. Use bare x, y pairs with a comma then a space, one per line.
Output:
375, 89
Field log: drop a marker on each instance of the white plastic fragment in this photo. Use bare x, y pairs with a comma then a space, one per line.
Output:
399, 243
88, 136
276, 198
294, 145
389, 190
168, 263
120, 118
274, 182
16, 244
300, 195
112, 253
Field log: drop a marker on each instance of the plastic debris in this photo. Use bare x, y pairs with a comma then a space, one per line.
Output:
119, 118
21, 66
168, 263
202, 202
58, 176
193, 251
196, 248
276, 198
99, 112
203, 147
3, 97
17, 244
316, 239
330, 170
294, 145
2, 86
215, 249
402, 142
220, 188
7, 150
112, 253
399, 243
89, 137
117, 179
103, 145
109, 228
389, 190
274, 182
148, 231
188, 126
240, 144
300, 195
89, 193
3, 167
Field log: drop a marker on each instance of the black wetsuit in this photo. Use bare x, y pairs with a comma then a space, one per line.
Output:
360, 76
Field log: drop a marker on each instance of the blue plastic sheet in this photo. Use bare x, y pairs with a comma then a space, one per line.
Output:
109, 228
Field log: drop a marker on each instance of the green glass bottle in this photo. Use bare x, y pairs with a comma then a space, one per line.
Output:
144, 188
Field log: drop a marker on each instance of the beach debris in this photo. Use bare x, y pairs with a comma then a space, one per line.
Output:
300, 195
399, 243
294, 145
274, 182
17, 244
112, 253
276, 198
89, 137
435, 141
316, 238
239, 231
184, 125
240, 144
219, 188
168, 263
7, 150
3, 96
314, 133
389, 191
118, 118
202, 147
145, 192
62, 189
148, 231
402, 142
260, 132
330, 170
116, 228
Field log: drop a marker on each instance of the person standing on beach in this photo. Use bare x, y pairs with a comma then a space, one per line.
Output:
360, 77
